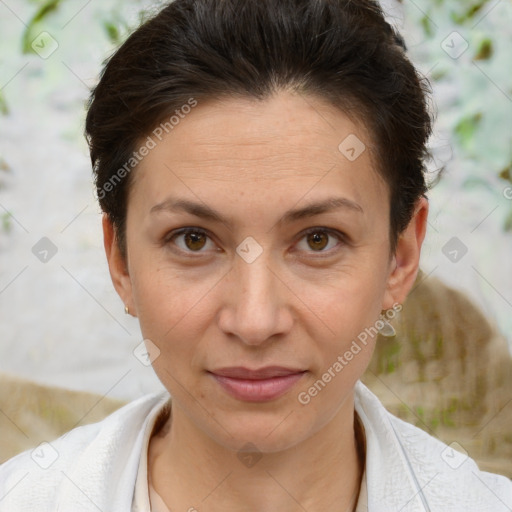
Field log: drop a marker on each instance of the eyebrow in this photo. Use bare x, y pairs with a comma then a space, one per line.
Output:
206, 212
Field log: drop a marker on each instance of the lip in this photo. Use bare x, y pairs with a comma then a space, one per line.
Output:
260, 385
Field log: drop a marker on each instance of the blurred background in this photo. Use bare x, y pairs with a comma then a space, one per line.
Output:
61, 322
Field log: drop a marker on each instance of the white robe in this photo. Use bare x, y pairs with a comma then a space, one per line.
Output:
94, 467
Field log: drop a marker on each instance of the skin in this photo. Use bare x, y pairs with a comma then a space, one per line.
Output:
205, 307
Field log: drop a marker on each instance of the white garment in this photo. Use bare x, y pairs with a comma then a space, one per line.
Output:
95, 467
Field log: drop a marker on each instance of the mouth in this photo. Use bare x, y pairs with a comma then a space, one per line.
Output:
260, 385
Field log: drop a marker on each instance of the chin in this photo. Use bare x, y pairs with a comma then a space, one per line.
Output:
269, 431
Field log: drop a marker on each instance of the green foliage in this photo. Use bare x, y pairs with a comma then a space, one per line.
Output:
4, 110
116, 28
508, 221
468, 11
388, 355
485, 49
506, 173
483, 120
437, 416
112, 31
427, 25
466, 129
6, 222
35, 25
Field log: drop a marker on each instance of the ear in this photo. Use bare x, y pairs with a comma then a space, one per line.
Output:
405, 262
117, 265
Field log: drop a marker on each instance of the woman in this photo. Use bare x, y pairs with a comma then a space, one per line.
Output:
260, 166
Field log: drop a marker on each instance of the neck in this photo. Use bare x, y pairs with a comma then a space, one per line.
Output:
191, 471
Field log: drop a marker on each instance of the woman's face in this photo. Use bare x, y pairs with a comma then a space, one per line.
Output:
261, 280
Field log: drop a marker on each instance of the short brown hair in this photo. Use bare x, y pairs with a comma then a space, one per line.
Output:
342, 51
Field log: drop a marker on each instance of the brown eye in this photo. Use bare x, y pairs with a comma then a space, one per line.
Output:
190, 240
318, 240
194, 241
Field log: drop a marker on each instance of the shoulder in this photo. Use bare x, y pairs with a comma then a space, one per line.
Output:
90, 461
409, 468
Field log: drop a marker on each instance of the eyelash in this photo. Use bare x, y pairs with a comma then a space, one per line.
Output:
320, 254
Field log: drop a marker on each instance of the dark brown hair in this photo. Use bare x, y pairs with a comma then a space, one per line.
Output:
342, 51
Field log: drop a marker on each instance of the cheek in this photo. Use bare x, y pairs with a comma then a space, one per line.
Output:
163, 293
173, 307
342, 356
354, 299
352, 333
349, 312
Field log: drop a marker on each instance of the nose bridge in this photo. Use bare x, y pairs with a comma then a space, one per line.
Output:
256, 304
254, 276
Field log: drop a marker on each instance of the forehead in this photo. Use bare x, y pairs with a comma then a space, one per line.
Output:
290, 145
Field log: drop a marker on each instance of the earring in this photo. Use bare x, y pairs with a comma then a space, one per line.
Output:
387, 330
127, 310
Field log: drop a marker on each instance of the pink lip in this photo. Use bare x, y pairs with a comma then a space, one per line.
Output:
259, 385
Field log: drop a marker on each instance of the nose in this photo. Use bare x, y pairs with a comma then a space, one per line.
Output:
256, 308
